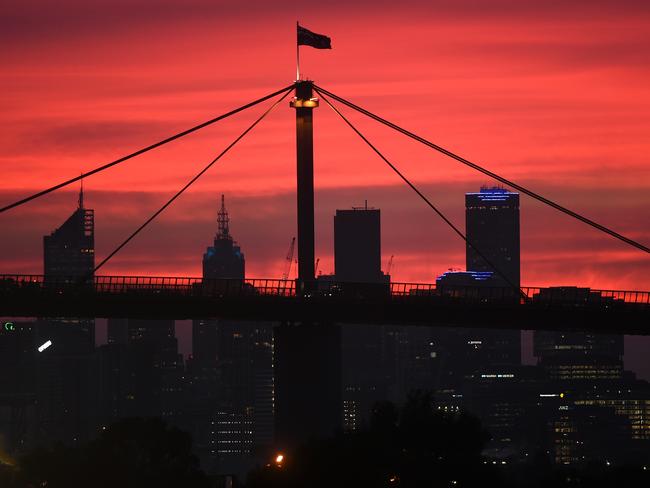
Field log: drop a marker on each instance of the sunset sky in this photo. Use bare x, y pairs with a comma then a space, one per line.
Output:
554, 95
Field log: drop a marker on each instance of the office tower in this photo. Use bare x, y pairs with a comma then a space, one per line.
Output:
69, 257
602, 419
369, 353
606, 410
231, 369
572, 355
65, 385
357, 245
492, 226
221, 261
69, 251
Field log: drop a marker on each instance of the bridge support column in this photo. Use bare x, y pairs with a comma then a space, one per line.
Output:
307, 372
304, 103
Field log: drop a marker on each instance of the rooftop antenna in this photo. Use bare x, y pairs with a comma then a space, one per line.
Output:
223, 220
81, 193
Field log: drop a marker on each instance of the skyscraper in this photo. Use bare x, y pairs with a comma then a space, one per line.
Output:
492, 226
224, 259
69, 251
571, 355
357, 245
606, 410
231, 369
368, 352
65, 387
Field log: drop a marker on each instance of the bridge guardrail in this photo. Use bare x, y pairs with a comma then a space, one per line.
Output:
567, 296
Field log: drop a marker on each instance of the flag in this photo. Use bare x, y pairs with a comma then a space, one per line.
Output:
309, 38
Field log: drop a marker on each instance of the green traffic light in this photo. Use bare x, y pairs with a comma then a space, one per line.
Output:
9, 326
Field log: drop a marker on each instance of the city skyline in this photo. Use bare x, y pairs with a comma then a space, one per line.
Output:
468, 310
636, 346
553, 124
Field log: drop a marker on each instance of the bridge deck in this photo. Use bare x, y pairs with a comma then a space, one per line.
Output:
277, 300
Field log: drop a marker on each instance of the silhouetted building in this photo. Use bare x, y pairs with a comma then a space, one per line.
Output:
224, 259
69, 251
474, 284
492, 226
65, 383
357, 245
372, 356
231, 370
69, 257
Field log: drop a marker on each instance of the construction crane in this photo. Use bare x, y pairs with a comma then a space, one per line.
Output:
390, 264
289, 260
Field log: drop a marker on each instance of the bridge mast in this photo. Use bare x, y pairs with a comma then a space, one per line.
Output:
304, 103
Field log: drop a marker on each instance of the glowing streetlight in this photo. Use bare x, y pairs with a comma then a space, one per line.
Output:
44, 346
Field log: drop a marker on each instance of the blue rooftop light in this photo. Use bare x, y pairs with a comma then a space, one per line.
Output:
475, 275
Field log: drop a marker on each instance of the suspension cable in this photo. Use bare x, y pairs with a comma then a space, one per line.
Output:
423, 197
189, 183
495, 176
144, 150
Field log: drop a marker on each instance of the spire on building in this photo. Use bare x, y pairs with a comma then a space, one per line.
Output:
223, 221
81, 194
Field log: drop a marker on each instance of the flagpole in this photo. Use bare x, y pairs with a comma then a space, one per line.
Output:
297, 53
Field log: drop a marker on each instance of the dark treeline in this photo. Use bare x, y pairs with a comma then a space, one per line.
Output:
415, 446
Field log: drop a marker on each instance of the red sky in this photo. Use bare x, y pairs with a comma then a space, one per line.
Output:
554, 96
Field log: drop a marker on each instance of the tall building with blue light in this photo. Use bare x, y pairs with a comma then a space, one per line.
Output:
492, 226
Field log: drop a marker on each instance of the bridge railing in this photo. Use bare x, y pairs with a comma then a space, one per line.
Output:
151, 284
198, 287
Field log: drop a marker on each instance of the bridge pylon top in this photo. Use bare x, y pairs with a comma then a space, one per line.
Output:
304, 95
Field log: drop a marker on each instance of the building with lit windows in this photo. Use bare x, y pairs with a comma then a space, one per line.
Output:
569, 356
605, 411
65, 386
231, 385
366, 350
492, 227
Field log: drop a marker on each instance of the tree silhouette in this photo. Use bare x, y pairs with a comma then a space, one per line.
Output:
131, 453
419, 446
